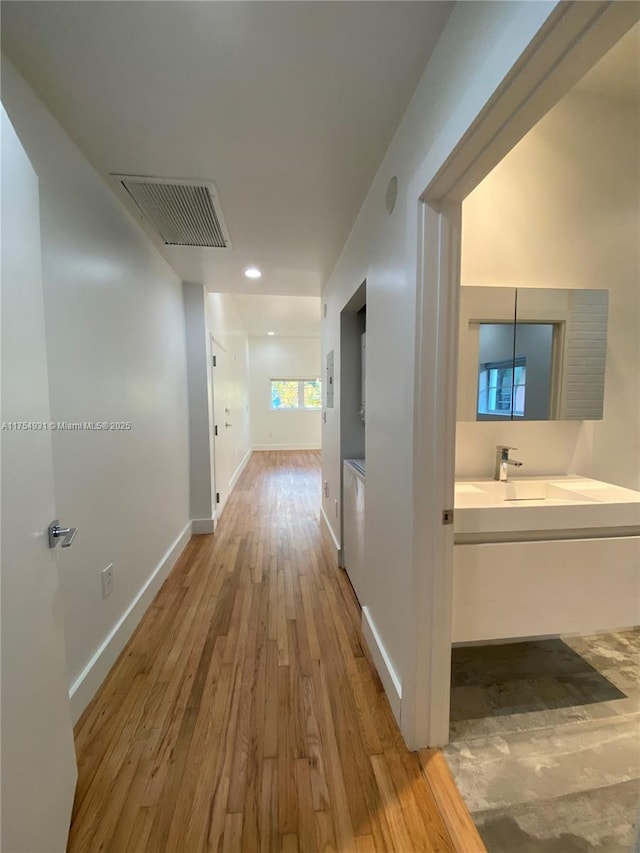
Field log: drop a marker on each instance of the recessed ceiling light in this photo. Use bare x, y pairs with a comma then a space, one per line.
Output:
252, 272
271, 333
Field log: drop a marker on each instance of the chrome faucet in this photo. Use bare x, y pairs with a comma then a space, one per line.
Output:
502, 462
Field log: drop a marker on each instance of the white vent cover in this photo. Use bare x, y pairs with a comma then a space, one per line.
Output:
184, 212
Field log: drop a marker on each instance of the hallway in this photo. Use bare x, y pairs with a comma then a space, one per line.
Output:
244, 713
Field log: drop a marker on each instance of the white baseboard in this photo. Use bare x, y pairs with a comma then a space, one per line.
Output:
240, 469
202, 525
287, 447
388, 676
86, 685
323, 516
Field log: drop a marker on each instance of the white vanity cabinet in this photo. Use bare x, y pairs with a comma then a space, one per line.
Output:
353, 525
544, 556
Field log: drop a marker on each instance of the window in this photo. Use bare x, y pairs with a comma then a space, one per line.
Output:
501, 387
288, 394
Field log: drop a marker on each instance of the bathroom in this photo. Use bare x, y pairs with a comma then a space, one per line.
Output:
545, 706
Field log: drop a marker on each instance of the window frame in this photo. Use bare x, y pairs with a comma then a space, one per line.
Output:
301, 385
489, 391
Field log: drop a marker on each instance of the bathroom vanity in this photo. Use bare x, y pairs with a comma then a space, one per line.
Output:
544, 556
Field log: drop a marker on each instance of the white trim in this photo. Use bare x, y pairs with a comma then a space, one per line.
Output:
201, 526
388, 676
324, 518
425, 710
87, 683
261, 447
217, 343
240, 469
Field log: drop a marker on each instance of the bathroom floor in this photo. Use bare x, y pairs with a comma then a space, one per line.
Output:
545, 742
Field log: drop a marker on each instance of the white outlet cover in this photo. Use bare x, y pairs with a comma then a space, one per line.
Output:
107, 580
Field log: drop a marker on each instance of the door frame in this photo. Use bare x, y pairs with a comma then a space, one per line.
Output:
575, 36
213, 426
217, 507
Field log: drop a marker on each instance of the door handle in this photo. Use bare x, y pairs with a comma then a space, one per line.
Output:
67, 534
228, 424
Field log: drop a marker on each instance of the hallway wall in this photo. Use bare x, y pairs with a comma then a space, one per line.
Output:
116, 352
479, 46
282, 358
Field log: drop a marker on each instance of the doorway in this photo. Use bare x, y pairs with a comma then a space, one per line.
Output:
562, 53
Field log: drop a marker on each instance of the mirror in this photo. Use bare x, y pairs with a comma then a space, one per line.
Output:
531, 354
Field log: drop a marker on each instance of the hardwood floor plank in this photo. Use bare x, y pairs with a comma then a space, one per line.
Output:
245, 713
456, 817
306, 815
315, 750
365, 844
290, 843
325, 836
288, 799
269, 796
137, 842
401, 838
232, 842
309, 619
270, 735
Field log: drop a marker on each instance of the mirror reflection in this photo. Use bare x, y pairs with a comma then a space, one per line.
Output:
531, 354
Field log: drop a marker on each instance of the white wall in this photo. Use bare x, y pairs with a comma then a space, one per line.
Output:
282, 358
478, 47
116, 352
231, 391
561, 210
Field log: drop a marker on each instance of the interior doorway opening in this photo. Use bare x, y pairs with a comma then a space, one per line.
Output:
572, 44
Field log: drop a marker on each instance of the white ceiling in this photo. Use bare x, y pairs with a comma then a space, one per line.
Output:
288, 107
285, 316
617, 75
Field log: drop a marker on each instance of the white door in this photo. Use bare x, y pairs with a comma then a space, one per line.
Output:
223, 419
38, 759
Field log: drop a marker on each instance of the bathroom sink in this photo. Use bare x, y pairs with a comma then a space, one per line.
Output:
514, 491
492, 508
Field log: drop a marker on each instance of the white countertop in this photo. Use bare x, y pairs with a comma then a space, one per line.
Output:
543, 503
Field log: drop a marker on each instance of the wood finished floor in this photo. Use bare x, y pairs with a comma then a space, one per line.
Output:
245, 714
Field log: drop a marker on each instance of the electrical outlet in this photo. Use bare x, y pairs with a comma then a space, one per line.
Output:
336, 506
107, 580
326, 488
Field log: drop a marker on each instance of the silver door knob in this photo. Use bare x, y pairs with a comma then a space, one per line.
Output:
67, 534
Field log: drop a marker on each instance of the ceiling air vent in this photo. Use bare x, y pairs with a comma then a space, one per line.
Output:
184, 212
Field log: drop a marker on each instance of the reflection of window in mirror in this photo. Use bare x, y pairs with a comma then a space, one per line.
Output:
501, 388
